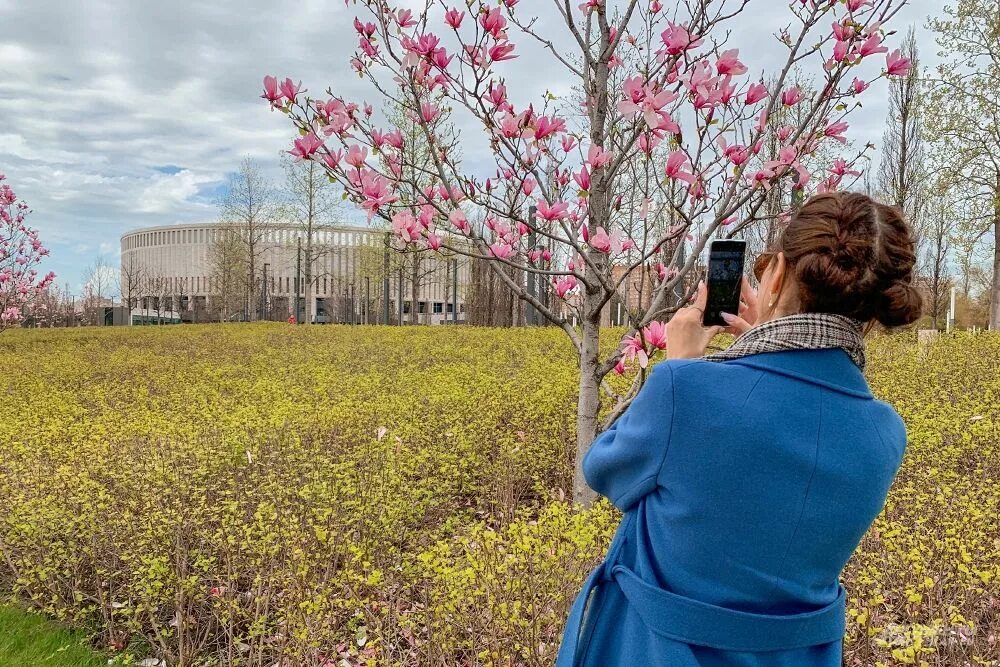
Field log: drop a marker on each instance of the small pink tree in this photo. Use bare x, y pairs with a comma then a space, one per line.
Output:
668, 143
20, 253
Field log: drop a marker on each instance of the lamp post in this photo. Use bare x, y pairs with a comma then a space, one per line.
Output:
263, 297
298, 272
385, 280
531, 313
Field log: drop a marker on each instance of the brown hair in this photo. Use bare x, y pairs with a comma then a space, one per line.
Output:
853, 256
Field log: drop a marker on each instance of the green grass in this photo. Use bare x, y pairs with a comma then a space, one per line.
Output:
29, 640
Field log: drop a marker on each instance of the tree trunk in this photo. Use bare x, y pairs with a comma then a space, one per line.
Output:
414, 287
589, 402
252, 275
995, 298
308, 278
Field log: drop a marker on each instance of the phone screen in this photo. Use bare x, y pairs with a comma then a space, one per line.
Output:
725, 271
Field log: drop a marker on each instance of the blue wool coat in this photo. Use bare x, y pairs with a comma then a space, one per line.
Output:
745, 486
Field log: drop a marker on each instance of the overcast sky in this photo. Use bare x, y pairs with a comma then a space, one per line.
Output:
119, 114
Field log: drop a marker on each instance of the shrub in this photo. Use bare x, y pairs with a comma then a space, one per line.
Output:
331, 495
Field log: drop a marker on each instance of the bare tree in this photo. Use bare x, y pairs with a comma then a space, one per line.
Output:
98, 278
130, 282
250, 208
940, 224
227, 259
902, 175
312, 203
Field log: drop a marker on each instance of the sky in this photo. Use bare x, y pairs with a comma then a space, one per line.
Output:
121, 114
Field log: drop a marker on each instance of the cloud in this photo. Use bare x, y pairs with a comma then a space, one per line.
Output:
171, 192
117, 114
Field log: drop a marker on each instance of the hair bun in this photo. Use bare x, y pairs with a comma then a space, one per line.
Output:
901, 304
853, 256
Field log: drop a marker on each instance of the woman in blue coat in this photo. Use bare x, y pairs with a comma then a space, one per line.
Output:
747, 478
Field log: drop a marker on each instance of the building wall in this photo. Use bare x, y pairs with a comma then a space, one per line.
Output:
181, 257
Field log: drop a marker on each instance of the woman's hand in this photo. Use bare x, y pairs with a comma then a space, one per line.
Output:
747, 317
687, 337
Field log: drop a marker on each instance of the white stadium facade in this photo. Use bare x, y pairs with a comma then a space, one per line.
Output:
180, 269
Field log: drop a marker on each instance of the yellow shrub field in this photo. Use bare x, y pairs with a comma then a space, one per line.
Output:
269, 494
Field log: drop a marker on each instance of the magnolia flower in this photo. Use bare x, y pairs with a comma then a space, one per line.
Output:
453, 17
305, 147
897, 65
565, 285
598, 157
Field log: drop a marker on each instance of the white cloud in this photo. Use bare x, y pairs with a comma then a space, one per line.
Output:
170, 192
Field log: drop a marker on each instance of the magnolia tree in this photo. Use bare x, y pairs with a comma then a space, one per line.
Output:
661, 148
20, 253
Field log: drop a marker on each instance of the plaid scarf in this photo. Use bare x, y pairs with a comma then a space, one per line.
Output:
804, 331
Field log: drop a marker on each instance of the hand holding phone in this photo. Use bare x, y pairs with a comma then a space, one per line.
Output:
725, 278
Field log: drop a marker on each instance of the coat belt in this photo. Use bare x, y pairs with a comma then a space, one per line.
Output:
694, 622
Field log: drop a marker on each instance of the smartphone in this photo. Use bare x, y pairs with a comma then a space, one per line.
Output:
725, 274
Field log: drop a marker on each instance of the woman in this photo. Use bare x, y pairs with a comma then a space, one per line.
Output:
748, 477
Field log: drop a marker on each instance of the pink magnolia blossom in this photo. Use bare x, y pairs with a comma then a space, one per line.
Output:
453, 17
368, 47
405, 226
429, 112
501, 250
872, 45
289, 90
271, 92
756, 93
364, 29
583, 178
332, 158
836, 131
633, 349
843, 31
897, 65
729, 63
546, 126
556, 211
855, 5
404, 17
528, 186
395, 139
677, 163
841, 168
677, 39
494, 23
564, 285
597, 157
459, 221
501, 51
655, 334
738, 154
356, 156
374, 190
498, 96
601, 241
792, 96
305, 147
859, 86
645, 99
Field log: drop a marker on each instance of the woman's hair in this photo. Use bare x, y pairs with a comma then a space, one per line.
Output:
853, 256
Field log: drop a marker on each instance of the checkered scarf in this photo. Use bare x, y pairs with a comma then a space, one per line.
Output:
805, 331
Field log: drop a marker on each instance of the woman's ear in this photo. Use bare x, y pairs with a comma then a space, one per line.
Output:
778, 273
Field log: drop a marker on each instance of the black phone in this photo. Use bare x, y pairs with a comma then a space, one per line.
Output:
725, 273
